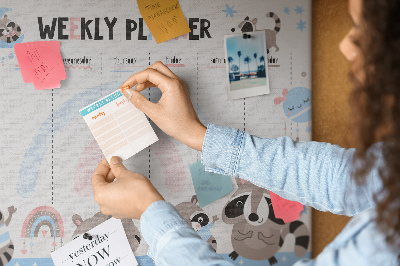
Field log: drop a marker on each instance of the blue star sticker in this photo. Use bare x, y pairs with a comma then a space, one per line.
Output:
301, 25
286, 10
308, 130
229, 10
299, 10
304, 211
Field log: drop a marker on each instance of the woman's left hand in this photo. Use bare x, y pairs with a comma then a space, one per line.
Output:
128, 196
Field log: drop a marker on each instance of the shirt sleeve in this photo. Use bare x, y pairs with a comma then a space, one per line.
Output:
172, 241
313, 173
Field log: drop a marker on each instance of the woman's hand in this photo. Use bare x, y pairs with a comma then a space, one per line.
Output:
127, 197
174, 113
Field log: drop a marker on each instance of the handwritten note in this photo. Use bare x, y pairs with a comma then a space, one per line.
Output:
41, 64
209, 186
118, 126
164, 18
284, 209
108, 246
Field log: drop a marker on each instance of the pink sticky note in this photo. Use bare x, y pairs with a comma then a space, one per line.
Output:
284, 209
41, 64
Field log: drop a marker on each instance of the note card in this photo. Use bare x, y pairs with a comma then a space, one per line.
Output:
284, 209
108, 246
41, 63
118, 126
209, 186
164, 18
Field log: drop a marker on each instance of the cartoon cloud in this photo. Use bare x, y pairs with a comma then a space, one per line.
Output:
296, 104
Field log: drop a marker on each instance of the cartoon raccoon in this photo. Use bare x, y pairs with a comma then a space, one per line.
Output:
198, 219
257, 234
82, 226
248, 25
6, 245
9, 31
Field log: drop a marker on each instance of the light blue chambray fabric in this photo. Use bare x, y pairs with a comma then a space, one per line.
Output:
312, 173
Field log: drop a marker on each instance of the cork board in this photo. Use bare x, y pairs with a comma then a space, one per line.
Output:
331, 89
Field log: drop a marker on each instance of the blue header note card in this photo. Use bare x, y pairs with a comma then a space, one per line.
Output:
209, 186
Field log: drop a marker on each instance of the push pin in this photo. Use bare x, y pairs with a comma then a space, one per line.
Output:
87, 236
125, 88
246, 36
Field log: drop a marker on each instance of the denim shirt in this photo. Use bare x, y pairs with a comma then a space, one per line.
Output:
312, 173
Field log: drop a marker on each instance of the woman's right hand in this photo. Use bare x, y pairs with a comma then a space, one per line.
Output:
174, 113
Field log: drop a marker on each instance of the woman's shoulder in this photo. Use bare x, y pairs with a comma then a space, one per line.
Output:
362, 240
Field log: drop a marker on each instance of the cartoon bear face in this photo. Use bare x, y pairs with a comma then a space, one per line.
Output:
247, 25
9, 30
249, 204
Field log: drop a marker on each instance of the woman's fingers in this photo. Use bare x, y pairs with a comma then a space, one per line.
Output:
110, 177
100, 174
143, 86
160, 67
141, 102
159, 80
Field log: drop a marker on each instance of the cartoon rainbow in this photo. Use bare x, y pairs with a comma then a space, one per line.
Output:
41, 216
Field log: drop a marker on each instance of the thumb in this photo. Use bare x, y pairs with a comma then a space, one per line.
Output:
139, 101
117, 168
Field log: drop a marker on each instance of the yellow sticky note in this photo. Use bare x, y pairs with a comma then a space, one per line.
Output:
164, 18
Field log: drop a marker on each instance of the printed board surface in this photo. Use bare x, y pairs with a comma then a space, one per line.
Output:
49, 153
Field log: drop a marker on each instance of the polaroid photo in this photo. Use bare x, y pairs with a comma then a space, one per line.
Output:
246, 64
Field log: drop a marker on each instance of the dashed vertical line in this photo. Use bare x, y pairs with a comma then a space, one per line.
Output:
291, 130
244, 114
149, 146
197, 95
52, 146
291, 69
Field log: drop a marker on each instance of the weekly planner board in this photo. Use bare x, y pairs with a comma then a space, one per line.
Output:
48, 152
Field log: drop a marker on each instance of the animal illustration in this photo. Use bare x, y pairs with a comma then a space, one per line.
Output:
257, 234
198, 219
6, 245
82, 226
248, 25
296, 104
9, 30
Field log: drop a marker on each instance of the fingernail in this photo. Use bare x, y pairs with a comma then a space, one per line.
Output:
115, 160
129, 92
124, 88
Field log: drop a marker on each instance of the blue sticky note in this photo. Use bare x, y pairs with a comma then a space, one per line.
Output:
209, 186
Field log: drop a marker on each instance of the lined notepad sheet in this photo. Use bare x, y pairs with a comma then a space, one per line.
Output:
118, 126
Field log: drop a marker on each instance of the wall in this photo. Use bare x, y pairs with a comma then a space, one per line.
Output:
331, 88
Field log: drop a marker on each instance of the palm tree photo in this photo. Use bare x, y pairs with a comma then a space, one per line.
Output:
255, 60
239, 53
230, 60
262, 59
247, 60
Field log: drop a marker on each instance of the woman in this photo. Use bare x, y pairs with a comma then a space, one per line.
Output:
363, 182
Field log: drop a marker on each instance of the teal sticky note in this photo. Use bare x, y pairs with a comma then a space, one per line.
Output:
209, 186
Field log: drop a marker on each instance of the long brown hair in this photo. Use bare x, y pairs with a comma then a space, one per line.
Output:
375, 103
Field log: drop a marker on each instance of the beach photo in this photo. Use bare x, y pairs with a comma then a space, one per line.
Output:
246, 64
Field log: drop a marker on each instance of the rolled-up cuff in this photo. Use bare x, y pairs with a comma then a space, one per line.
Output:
222, 148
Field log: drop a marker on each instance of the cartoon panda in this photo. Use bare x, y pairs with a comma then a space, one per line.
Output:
9, 30
198, 219
6, 245
82, 226
257, 234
